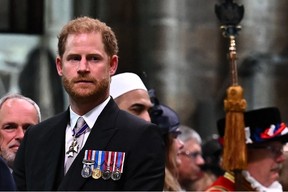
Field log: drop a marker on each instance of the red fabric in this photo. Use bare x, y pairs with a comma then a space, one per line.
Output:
222, 184
265, 134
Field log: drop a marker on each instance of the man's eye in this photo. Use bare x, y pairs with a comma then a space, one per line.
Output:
74, 58
93, 58
25, 127
9, 127
137, 110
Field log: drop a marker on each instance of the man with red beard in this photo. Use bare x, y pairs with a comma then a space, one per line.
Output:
93, 145
265, 136
17, 113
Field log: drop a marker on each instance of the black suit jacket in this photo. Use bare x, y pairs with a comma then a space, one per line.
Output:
39, 164
6, 180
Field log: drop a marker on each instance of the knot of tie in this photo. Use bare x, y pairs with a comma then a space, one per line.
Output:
80, 128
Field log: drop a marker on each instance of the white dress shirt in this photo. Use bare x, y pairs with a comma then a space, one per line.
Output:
90, 118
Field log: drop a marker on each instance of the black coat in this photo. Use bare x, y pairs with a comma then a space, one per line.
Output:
6, 180
39, 164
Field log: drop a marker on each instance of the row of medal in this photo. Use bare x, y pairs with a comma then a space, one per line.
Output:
103, 164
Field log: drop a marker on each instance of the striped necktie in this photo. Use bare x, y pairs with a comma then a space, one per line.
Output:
78, 136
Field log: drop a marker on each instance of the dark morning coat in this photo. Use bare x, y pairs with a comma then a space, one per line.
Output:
6, 180
39, 164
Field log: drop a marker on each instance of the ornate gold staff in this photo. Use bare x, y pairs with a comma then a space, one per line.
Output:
234, 153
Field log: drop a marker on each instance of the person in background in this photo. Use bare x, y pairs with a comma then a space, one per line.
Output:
168, 121
17, 113
212, 153
6, 180
284, 171
93, 145
130, 94
191, 158
265, 136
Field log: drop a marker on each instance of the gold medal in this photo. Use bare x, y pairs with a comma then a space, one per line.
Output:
96, 173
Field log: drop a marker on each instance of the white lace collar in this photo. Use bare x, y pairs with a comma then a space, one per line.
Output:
275, 187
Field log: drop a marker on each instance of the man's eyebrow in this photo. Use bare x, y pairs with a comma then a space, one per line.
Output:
9, 123
137, 105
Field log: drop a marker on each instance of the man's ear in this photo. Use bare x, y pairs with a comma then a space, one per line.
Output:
59, 65
113, 65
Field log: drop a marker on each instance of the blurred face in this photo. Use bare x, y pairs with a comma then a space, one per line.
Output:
177, 145
191, 160
136, 102
16, 115
265, 162
174, 145
85, 68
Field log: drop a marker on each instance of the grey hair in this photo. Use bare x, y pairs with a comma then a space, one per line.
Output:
187, 133
18, 96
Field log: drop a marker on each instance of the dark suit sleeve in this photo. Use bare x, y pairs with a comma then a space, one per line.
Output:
6, 180
19, 166
146, 162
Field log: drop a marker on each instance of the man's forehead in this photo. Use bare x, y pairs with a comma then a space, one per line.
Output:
134, 95
192, 143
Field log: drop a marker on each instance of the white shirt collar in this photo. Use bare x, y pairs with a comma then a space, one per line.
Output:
90, 117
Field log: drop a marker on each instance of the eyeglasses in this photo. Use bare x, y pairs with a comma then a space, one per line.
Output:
192, 155
175, 134
277, 151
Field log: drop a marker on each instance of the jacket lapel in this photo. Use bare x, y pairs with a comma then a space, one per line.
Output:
55, 165
98, 139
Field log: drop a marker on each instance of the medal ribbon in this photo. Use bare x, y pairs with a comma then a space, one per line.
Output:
108, 160
93, 157
99, 159
122, 162
88, 156
80, 131
118, 161
115, 161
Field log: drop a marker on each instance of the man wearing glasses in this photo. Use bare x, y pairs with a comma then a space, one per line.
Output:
265, 136
191, 158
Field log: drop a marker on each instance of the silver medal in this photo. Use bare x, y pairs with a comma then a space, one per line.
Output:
86, 171
74, 147
116, 175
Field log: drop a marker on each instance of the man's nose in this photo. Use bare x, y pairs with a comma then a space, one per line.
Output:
145, 115
281, 158
83, 65
20, 133
180, 144
200, 160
